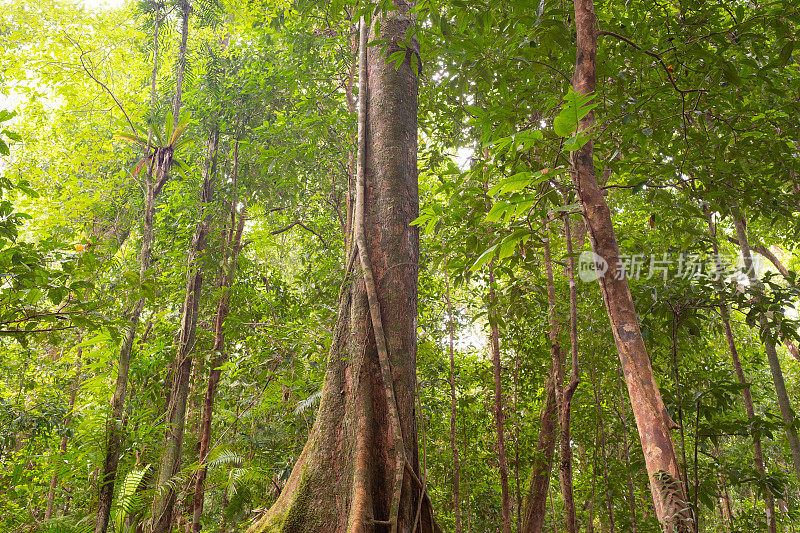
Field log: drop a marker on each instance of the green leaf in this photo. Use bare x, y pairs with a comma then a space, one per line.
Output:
484, 258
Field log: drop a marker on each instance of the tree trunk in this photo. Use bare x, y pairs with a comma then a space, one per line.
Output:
652, 418
453, 412
536, 499
758, 454
186, 9
114, 429
602, 431
359, 468
626, 449
164, 500
499, 421
76, 382
565, 404
226, 276
769, 344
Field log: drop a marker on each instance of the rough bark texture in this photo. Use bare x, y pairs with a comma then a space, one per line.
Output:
164, 499
536, 498
652, 419
787, 414
758, 454
346, 478
499, 422
226, 277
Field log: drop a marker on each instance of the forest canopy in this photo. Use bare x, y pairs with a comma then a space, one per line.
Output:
444, 265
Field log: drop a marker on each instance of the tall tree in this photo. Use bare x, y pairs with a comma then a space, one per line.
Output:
651, 415
359, 468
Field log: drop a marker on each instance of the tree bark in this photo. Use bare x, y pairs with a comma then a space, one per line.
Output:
626, 449
453, 412
348, 477
758, 454
164, 499
186, 9
536, 498
499, 421
76, 382
226, 276
652, 418
565, 404
157, 172
769, 343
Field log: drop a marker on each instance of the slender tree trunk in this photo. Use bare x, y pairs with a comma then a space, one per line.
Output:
114, 429
652, 418
769, 344
226, 277
604, 455
359, 468
679, 398
536, 498
565, 404
498, 408
453, 412
164, 500
186, 10
76, 382
758, 454
626, 449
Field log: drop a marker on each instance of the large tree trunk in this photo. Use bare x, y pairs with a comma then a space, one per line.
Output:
787, 414
226, 277
758, 454
652, 418
359, 468
164, 499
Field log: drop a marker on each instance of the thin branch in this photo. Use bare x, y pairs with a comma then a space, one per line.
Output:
657, 57
298, 223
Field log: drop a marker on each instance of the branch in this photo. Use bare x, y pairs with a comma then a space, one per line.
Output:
100, 83
657, 57
298, 223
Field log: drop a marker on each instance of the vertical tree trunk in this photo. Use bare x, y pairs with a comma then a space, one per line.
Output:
359, 468
157, 173
76, 382
164, 500
536, 501
226, 276
536, 498
652, 418
453, 412
565, 403
769, 344
498, 407
604, 454
626, 448
186, 9
758, 454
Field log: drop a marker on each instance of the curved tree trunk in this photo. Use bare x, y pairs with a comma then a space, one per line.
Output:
652, 418
348, 477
